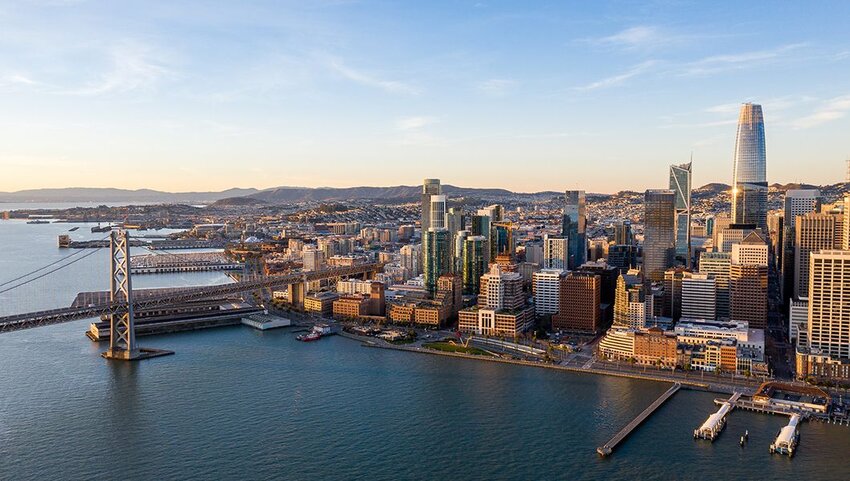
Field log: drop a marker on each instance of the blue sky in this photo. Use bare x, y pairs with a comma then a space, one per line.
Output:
600, 96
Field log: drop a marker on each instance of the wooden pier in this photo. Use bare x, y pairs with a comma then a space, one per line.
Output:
608, 448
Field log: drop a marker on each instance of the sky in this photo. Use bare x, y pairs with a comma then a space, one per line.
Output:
528, 96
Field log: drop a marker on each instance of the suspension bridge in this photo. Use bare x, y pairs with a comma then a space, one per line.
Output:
121, 304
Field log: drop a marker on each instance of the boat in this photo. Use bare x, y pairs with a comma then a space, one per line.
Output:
311, 336
742, 441
38, 221
98, 228
72, 229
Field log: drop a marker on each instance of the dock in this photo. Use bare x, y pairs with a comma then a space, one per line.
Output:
715, 423
608, 448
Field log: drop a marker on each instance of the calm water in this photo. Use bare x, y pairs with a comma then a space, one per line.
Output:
234, 403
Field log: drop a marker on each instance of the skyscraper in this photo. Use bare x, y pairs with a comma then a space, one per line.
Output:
718, 265
659, 233
573, 227
813, 232
436, 256
797, 202
475, 259
680, 183
429, 187
555, 252
748, 281
749, 178
437, 218
578, 304
502, 241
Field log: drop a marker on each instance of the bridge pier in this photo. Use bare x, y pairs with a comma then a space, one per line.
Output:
122, 329
297, 292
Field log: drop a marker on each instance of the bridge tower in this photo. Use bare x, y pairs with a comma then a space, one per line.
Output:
122, 329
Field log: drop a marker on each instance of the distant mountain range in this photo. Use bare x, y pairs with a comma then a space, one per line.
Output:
277, 195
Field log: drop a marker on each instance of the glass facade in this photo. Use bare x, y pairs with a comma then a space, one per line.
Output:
659, 233
573, 227
437, 256
749, 178
680, 183
475, 253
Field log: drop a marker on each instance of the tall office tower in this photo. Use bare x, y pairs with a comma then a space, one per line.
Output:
455, 221
623, 257
845, 235
429, 187
555, 252
748, 281
578, 304
623, 233
534, 252
659, 233
797, 202
437, 218
546, 287
699, 296
829, 304
673, 293
749, 178
481, 225
436, 256
312, 258
574, 226
718, 265
680, 183
458, 242
837, 212
632, 304
718, 223
812, 233
475, 258
495, 212
411, 256
502, 241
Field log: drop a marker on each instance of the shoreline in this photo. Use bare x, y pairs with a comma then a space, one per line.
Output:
686, 384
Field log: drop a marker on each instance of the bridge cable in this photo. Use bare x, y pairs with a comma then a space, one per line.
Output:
2, 291
78, 251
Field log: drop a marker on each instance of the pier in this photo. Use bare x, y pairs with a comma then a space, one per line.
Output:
715, 423
184, 262
608, 448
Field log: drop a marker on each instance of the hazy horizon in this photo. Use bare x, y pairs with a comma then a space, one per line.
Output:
530, 97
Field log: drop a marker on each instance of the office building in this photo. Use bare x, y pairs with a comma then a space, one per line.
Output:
623, 256
546, 288
798, 202
430, 187
748, 282
623, 233
410, 257
680, 183
718, 265
437, 217
574, 227
436, 256
555, 252
699, 296
312, 258
502, 241
578, 305
455, 220
501, 309
812, 232
632, 305
749, 178
659, 233
475, 261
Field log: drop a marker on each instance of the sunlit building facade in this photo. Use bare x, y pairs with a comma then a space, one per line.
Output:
749, 178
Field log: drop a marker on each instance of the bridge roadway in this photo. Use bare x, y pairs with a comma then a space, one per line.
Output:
66, 314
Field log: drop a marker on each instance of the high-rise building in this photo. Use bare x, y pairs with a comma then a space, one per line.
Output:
475, 260
578, 305
481, 225
574, 226
673, 293
429, 187
632, 304
749, 178
501, 308
718, 265
623, 233
680, 183
659, 233
313, 259
410, 259
555, 252
458, 242
546, 288
455, 221
437, 218
829, 303
717, 224
812, 232
797, 202
699, 296
732, 234
502, 241
436, 255
748, 281
623, 257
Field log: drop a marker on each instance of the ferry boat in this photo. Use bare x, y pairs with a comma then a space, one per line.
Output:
311, 336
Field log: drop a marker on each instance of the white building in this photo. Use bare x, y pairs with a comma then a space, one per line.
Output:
699, 296
312, 258
829, 303
555, 252
798, 318
546, 284
699, 333
718, 265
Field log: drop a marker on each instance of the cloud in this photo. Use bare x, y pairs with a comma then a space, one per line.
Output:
415, 123
830, 110
618, 79
362, 78
133, 68
495, 87
641, 36
738, 61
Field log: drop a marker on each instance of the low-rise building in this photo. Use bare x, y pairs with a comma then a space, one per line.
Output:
320, 302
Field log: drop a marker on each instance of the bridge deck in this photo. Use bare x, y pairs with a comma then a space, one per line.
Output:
608, 448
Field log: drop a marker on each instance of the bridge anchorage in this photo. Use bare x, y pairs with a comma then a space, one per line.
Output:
122, 329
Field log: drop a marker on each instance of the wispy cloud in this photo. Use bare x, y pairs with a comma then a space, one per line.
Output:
369, 80
415, 123
641, 36
134, 67
414, 131
830, 110
496, 87
618, 79
739, 61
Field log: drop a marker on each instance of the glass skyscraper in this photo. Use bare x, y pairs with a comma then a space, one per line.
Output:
680, 183
429, 187
475, 256
749, 178
659, 243
573, 227
437, 256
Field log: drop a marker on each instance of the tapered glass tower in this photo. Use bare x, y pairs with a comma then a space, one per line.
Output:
749, 178
680, 183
